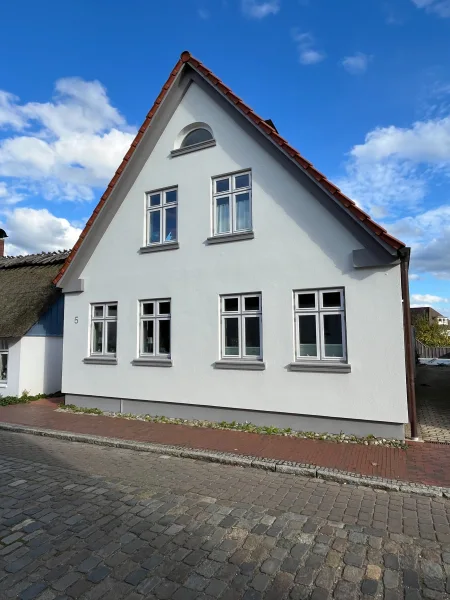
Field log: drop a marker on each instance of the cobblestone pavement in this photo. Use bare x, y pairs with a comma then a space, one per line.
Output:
88, 522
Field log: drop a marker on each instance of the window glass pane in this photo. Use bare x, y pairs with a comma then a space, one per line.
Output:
171, 224
112, 310
252, 337
147, 308
196, 137
243, 220
164, 308
164, 337
111, 336
231, 337
307, 335
171, 196
97, 336
98, 311
155, 199
4, 366
332, 329
231, 304
251, 303
241, 181
155, 226
222, 185
306, 301
223, 215
331, 299
147, 337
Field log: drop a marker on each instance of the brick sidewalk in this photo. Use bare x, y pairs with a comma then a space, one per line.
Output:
420, 463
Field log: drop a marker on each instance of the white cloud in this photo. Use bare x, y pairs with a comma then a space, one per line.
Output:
258, 10
36, 230
428, 299
424, 141
392, 170
67, 146
439, 7
414, 277
356, 64
307, 53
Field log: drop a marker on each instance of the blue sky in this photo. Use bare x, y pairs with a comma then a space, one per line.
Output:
361, 88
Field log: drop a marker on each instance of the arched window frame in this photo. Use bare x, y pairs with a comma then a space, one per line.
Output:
178, 150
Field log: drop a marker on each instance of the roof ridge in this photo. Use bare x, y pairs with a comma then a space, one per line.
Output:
187, 58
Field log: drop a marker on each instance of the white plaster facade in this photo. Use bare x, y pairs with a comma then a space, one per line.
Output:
299, 244
34, 365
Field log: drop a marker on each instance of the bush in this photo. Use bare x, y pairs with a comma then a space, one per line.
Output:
431, 334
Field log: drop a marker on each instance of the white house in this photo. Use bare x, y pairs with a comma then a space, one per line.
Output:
31, 323
222, 277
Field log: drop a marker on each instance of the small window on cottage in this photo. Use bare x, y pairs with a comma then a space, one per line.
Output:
241, 326
3, 361
320, 325
104, 329
197, 136
154, 329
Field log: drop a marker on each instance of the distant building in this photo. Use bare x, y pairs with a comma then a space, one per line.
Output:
432, 316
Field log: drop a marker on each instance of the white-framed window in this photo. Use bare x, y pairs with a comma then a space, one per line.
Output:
320, 325
232, 203
104, 329
3, 361
241, 326
154, 327
162, 216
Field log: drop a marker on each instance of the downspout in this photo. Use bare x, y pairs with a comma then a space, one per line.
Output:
404, 254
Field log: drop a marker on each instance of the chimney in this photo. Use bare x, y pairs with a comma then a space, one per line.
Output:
2, 242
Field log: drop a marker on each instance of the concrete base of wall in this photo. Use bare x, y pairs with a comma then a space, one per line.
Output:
261, 418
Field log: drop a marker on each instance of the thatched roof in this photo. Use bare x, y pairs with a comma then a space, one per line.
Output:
27, 290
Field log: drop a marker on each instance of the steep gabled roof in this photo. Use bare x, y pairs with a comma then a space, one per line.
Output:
265, 126
27, 290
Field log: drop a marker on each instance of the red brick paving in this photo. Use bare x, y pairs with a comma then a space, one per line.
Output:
420, 463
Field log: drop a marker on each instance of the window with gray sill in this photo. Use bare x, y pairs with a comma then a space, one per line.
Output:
232, 204
241, 326
154, 328
162, 217
320, 335
104, 330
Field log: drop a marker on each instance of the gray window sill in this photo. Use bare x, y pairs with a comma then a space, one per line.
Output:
230, 237
159, 247
320, 367
194, 148
100, 360
240, 365
152, 362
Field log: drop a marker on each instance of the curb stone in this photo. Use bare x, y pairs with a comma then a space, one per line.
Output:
228, 458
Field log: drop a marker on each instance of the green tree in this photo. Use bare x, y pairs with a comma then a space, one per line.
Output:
431, 334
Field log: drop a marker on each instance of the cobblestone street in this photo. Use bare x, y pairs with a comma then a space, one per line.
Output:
89, 522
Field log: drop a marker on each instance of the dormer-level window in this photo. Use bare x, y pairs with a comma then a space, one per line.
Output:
197, 136
162, 208
232, 203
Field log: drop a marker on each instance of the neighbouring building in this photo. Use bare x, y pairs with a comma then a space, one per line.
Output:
31, 323
223, 277
430, 314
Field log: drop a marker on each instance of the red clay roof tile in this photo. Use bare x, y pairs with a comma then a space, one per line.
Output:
262, 125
